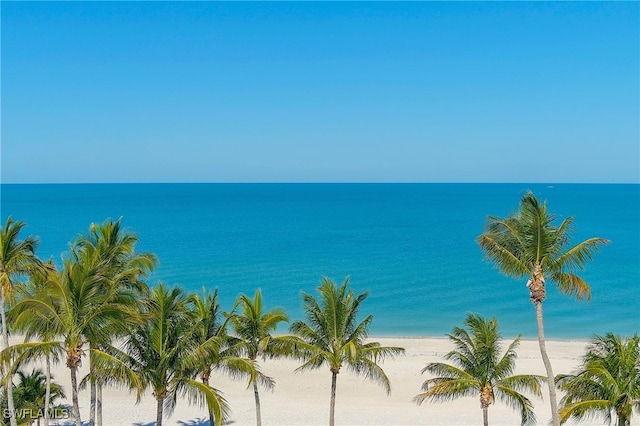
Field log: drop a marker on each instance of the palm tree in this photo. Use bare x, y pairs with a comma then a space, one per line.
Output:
122, 268
73, 303
115, 249
37, 328
164, 353
607, 382
479, 370
333, 337
31, 395
208, 319
253, 326
528, 244
17, 258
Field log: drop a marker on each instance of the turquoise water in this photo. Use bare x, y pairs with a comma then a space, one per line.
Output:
411, 245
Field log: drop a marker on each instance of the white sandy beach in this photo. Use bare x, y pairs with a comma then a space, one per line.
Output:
303, 398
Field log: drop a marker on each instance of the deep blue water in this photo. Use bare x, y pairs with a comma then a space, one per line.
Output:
411, 245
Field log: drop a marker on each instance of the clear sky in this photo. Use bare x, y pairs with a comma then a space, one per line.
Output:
320, 92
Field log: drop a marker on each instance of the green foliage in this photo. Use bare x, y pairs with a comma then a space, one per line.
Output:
254, 327
478, 369
607, 382
17, 257
29, 396
528, 242
165, 351
332, 336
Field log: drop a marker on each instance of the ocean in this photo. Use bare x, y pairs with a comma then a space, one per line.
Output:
411, 246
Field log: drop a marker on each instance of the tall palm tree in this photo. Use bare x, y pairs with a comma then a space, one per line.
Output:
528, 244
479, 370
254, 328
332, 336
607, 382
73, 302
38, 331
122, 268
209, 325
164, 352
17, 258
115, 248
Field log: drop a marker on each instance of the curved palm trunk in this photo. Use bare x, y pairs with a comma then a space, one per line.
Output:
485, 416
547, 365
160, 402
332, 409
75, 411
47, 395
5, 341
257, 398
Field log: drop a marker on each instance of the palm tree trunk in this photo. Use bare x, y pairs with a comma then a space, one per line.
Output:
99, 404
5, 341
47, 395
257, 398
205, 380
623, 420
547, 365
160, 401
485, 416
75, 411
332, 409
92, 404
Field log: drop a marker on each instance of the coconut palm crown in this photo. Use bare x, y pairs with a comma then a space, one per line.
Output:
165, 353
607, 382
17, 258
529, 245
332, 336
253, 328
479, 370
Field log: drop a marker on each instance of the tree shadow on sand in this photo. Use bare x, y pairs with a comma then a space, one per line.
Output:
200, 422
192, 422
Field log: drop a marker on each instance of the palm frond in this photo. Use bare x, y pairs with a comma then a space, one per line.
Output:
517, 401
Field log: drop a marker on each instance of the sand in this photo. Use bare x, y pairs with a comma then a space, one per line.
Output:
303, 398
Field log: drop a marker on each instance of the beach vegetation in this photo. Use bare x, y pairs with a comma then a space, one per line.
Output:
30, 394
71, 305
17, 260
121, 272
478, 369
211, 324
530, 245
254, 327
165, 354
332, 336
607, 384
39, 335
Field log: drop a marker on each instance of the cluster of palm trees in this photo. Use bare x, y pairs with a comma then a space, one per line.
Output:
607, 383
528, 244
96, 308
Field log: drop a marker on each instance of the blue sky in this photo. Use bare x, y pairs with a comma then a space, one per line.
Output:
320, 92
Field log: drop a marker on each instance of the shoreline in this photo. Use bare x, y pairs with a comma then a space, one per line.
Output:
303, 398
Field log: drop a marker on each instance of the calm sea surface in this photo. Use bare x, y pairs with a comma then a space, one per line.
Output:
412, 246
